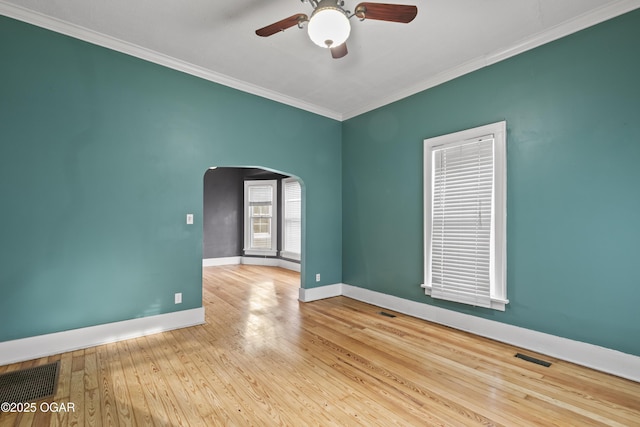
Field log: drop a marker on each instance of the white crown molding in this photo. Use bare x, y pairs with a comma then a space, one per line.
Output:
61, 342
592, 356
94, 37
571, 26
578, 23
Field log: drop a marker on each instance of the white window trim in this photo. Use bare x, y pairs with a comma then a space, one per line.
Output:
273, 251
499, 130
286, 254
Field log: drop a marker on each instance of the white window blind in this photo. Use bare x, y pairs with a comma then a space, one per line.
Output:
461, 222
260, 226
465, 217
292, 218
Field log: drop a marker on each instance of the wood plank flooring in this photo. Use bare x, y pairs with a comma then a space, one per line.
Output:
265, 359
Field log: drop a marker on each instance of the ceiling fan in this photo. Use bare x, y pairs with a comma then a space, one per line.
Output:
329, 26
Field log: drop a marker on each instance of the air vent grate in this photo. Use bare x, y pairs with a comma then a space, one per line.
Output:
533, 360
29, 384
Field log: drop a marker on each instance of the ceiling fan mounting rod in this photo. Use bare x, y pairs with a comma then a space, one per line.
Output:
315, 3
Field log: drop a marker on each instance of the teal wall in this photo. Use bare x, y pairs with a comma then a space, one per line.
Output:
101, 157
573, 116
103, 154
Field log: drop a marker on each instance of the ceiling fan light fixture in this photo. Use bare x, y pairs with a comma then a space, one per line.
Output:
329, 26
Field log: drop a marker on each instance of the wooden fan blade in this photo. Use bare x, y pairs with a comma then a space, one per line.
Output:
386, 12
339, 51
282, 25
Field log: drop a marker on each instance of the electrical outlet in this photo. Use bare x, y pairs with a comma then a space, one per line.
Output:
318, 277
178, 298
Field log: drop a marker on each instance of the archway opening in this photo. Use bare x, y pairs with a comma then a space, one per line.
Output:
252, 215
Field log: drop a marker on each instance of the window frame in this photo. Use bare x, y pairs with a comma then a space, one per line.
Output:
248, 249
498, 252
284, 253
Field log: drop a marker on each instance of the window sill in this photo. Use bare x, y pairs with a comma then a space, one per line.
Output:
496, 303
258, 252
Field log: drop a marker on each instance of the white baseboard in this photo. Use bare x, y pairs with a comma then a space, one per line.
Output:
289, 265
214, 262
235, 260
592, 356
321, 292
61, 342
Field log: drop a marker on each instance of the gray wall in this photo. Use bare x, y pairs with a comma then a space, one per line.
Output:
222, 213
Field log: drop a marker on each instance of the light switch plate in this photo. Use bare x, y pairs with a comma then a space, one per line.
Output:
190, 219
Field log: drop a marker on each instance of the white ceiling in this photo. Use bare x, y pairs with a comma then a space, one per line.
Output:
386, 61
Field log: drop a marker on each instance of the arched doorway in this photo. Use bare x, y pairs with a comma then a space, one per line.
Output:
243, 223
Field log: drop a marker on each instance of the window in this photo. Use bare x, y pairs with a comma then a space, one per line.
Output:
465, 216
260, 227
291, 218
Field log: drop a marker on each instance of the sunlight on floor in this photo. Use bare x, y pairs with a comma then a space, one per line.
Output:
262, 323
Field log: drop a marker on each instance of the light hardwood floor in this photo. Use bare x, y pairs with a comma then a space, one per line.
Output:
264, 359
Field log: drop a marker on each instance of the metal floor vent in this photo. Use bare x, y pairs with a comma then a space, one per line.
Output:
29, 384
533, 360
387, 314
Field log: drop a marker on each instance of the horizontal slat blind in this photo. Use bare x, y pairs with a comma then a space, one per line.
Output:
462, 221
292, 216
260, 200
260, 195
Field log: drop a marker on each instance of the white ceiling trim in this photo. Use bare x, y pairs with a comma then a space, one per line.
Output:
578, 23
94, 37
569, 27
